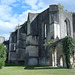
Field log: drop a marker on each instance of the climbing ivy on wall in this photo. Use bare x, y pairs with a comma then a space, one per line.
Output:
68, 48
49, 43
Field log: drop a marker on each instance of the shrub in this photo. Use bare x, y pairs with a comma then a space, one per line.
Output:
2, 63
2, 55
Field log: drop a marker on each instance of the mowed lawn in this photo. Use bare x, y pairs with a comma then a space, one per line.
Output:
22, 70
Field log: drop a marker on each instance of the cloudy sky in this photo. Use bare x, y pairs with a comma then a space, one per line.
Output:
14, 12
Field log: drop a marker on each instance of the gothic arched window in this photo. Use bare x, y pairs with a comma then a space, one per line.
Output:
67, 27
45, 30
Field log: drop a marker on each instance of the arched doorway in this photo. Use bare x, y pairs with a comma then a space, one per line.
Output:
61, 61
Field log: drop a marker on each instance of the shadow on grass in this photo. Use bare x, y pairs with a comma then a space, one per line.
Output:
31, 67
40, 67
11, 64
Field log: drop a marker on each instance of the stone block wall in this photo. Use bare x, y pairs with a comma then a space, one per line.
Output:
21, 46
12, 57
32, 50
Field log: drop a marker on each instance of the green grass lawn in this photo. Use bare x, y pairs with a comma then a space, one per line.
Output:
22, 70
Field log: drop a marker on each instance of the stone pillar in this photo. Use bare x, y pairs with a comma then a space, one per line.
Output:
53, 58
11, 55
73, 66
64, 62
74, 56
32, 50
55, 53
61, 62
74, 60
31, 47
21, 47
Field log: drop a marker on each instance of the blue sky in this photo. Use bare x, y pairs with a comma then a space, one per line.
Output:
14, 12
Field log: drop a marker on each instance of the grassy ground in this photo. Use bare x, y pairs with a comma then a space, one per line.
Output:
11, 69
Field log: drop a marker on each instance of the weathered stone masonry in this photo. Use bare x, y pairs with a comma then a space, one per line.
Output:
26, 43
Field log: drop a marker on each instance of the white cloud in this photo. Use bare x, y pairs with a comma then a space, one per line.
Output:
5, 27
24, 6
7, 36
5, 12
32, 3
8, 2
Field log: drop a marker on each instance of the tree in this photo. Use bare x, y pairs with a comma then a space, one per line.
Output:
68, 48
60, 6
2, 55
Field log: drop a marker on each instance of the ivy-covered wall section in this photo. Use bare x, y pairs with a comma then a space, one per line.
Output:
68, 49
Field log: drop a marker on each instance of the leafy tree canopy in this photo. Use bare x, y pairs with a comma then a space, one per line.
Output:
60, 6
2, 55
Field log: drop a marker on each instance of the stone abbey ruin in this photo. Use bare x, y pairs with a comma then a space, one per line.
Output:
25, 45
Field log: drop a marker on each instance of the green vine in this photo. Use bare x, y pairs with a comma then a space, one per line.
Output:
49, 43
68, 48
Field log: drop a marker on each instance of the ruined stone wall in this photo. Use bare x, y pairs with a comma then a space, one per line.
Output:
73, 17
57, 58
32, 40
12, 50
21, 46
21, 43
43, 24
64, 16
26, 43
53, 18
17, 45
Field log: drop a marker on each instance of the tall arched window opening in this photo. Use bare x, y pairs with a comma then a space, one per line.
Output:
45, 30
65, 28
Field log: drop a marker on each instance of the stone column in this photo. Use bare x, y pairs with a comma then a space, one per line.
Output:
53, 58
74, 56
61, 62
74, 61
21, 46
31, 46
55, 53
